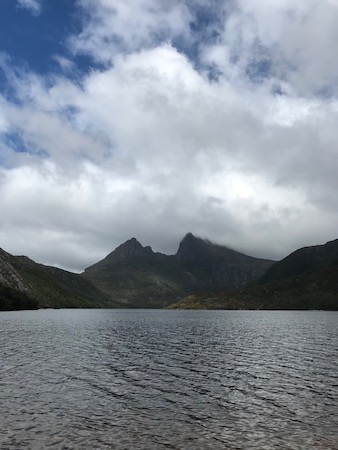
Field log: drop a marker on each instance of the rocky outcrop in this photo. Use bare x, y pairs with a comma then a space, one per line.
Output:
25, 284
8, 275
13, 292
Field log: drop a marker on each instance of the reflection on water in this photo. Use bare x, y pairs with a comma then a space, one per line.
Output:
145, 379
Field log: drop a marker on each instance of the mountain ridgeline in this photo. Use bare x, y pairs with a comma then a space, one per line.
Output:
131, 276
200, 275
135, 276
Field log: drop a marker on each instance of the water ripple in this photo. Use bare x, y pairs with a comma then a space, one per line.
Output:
126, 379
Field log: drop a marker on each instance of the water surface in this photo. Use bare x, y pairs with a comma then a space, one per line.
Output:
154, 379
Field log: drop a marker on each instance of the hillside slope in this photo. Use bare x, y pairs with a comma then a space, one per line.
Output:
45, 286
307, 259
311, 291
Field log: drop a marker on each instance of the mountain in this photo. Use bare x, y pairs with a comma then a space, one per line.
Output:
218, 266
307, 259
200, 275
306, 279
25, 284
135, 276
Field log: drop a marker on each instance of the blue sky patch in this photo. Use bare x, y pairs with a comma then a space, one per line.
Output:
15, 141
34, 41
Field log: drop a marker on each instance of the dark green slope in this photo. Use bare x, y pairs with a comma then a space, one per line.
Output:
46, 286
314, 290
307, 259
12, 299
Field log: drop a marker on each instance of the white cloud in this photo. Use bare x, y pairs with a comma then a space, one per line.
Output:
112, 26
65, 63
295, 38
150, 147
34, 6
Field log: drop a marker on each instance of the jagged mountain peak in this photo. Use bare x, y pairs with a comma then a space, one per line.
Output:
189, 235
132, 248
132, 243
128, 251
133, 271
192, 247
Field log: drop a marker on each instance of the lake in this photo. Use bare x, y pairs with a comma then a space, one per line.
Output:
158, 379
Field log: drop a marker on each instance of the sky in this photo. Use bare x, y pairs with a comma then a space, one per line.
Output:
152, 118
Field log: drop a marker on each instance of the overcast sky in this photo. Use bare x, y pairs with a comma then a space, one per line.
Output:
153, 118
